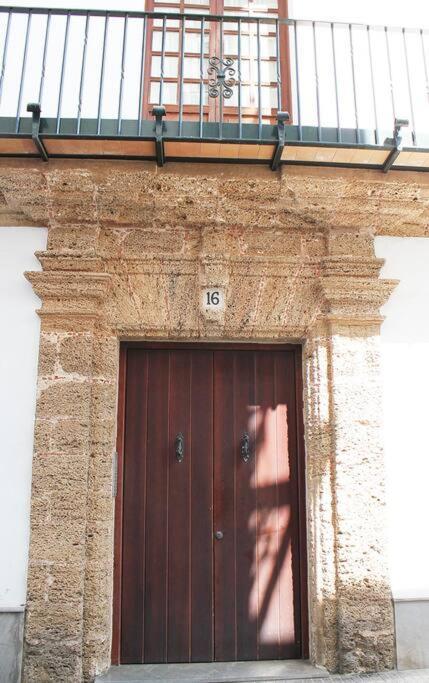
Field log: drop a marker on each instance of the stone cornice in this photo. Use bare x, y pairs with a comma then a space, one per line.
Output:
351, 266
354, 299
69, 261
70, 300
69, 284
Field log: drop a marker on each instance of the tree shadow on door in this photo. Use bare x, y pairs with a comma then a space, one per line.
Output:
268, 620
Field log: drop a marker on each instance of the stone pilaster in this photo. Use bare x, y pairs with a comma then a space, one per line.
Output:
68, 396
350, 592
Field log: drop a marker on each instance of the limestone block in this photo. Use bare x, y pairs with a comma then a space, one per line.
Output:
71, 195
341, 242
64, 436
29, 197
82, 238
59, 472
46, 664
194, 183
185, 210
246, 212
101, 467
160, 241
266, 189
54, 583
62, 398
75, 353
56, 542
47, 354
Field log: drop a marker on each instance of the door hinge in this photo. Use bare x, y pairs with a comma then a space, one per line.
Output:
115, 474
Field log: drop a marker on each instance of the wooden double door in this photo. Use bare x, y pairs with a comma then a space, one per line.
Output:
209, 554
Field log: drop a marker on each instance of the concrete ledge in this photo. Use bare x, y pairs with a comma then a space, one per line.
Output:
11, 633
412, 634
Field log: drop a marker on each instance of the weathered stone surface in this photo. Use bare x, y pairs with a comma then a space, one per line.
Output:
130, 250
69, 192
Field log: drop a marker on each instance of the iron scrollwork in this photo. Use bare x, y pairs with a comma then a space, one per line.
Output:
221, 77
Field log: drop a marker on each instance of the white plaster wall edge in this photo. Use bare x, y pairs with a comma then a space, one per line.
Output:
19, 345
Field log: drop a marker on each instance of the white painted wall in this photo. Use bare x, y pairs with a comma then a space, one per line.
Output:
19, 345
405, 361
392, 12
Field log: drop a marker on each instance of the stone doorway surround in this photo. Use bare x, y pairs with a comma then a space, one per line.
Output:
130, 248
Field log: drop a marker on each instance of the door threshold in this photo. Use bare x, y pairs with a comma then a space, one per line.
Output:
213, 672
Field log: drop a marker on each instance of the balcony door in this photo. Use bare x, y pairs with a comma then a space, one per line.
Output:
178, 60
211, 567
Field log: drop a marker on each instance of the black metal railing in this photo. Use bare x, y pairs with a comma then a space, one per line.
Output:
101, 73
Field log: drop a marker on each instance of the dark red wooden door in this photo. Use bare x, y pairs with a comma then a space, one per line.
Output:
210, 545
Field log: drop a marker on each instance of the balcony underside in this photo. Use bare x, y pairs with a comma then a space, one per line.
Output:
227, 143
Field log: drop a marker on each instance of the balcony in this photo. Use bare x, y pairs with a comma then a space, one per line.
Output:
170, 85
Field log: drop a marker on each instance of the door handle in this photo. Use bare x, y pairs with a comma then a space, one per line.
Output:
180, 447
245, 447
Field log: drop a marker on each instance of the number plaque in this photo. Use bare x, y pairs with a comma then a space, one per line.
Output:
213, 299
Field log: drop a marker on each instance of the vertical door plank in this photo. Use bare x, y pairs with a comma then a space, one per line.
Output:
155, 615
245, 520
133, 560
178, 600
201, 454
289, 559
267, 505
225, 453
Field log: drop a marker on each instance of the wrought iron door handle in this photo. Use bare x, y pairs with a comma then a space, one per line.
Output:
180, 447
245, 447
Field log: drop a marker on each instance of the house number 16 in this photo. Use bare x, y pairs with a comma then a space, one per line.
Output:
213, 298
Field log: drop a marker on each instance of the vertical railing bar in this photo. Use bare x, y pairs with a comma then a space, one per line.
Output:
374, 97
279, 75
258, 43
142, 75
24, 64
316, 74
5, 48
220, 92
82, 74
63, 67
161, 83
425, 63
201, 76
45, 51
103, 62
389, 63
121, 86
240, 122
182, 64
352, 57
410, 92
298, 94
334, 62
